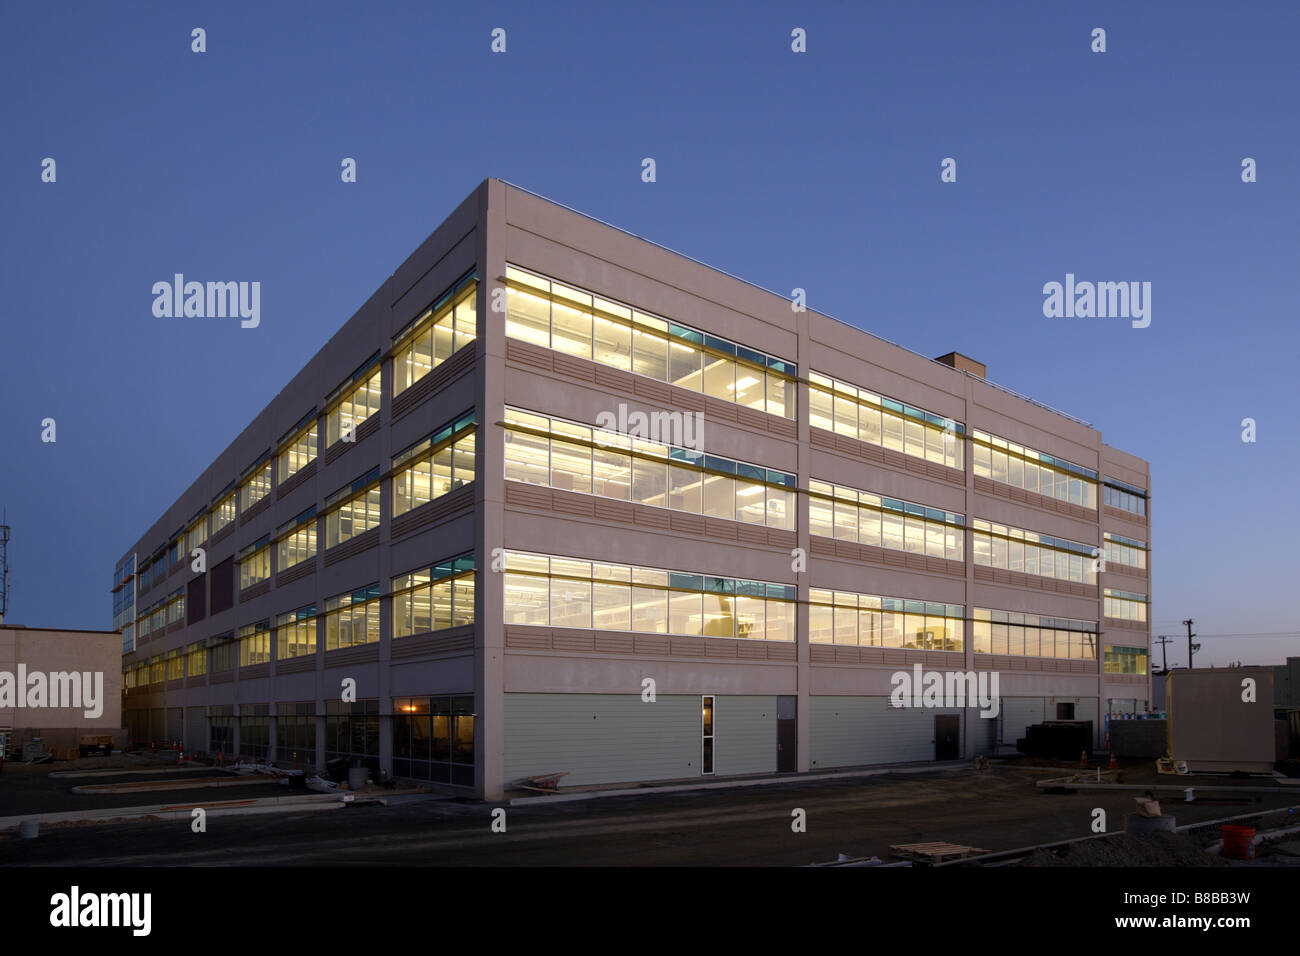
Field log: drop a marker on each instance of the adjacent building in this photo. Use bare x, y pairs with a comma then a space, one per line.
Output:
559, 500
59, 687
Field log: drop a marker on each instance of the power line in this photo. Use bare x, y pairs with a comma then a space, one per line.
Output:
1254, 634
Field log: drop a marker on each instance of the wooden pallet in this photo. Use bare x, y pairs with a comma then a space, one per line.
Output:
935, 852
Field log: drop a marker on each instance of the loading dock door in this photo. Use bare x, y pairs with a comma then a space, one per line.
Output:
946, 728
787, 735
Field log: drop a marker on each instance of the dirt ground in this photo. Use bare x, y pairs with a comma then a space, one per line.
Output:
1000, 810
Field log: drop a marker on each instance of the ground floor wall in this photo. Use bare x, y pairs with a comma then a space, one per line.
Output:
620, 738
1019, 713
598, 720
859, 731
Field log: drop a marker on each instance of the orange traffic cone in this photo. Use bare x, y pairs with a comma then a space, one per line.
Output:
1114, 764
1083, 758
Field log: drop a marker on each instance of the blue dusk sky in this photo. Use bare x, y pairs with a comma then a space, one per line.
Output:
818, 170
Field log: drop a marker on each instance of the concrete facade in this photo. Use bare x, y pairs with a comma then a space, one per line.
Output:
80, 671
545, 696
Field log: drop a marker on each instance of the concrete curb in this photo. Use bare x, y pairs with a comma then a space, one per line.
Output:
157, 786
741, 782
163, 768
175, 811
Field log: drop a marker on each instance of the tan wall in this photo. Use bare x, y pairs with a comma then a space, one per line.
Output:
1212, 728
54, 651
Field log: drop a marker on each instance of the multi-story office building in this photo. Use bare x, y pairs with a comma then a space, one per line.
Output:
557, 499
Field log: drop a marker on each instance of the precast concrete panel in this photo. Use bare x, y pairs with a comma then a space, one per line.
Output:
604, 738
1020, 712
860, 731
744, 735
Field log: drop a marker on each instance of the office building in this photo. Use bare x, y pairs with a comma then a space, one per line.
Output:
559, 500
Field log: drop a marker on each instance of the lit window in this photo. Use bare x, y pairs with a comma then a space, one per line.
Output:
352, 619
566, 319
255, 644
434, 466
435, 336
295, 633
300, 452
837, 406
296, 540
567, 592
434, 598
256, 487
360, 402
255, 563
224, 513
353, 510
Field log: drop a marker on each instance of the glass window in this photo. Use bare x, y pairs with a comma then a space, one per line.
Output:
353, 517
528, 310
685, 365
352, 618
295, 633
256, 487
300, 452
650, 352
571, 321
222, 515
361, 402
255, 567
435, 466
297, 546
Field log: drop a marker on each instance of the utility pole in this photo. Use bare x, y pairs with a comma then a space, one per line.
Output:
1162, 640
1190, 648
4, 572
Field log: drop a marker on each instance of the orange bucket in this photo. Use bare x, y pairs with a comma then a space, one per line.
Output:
1238, 842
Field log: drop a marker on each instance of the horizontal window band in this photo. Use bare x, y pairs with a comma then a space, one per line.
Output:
1065, 546
944, 517
429, 312
892, 406
550, 576
263, 458
371, 365
411, 588
458, 428
1125, 596
306, 423
646, 456
357, 487
1057, 465
295, 523
665, 334
1122, 486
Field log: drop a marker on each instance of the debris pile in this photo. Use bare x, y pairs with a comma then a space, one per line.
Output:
1156, 849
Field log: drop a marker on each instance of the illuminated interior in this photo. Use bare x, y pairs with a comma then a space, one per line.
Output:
566, 592
434, 337
1031, 635
556, 453
352, 618
1022, 467
836, 511
569, 320
869, 620
434, 598
836, 406
1014, 549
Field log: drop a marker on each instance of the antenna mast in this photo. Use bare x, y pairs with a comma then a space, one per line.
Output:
4, 570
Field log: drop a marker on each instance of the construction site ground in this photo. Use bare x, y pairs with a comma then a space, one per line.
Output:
1000, 809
